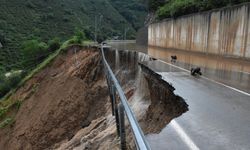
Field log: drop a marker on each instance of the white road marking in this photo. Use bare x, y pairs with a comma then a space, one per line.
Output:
183, 135
245, 72
232, 88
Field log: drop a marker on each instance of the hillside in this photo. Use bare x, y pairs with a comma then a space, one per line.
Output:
132, 11
66, 105
46, 19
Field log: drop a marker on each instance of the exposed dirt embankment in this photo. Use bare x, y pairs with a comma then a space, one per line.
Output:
66, 105
165, 105
57, 102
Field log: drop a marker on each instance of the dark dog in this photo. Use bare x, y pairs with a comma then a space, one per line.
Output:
195, 71
173, 58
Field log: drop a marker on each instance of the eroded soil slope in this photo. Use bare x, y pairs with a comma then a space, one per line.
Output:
56, 102
66, 105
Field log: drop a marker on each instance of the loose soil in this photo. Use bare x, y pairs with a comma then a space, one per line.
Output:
67, 106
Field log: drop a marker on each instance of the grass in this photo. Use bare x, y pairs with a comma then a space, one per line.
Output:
6, 122
6, 108
3, 111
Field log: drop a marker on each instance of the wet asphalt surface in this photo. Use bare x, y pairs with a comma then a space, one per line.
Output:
219, 103
218, 117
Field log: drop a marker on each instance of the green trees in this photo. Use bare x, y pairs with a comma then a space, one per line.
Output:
175, 8
155, 4
21, 20
10, 81
54, 44
2, 39
78, 37
33, 51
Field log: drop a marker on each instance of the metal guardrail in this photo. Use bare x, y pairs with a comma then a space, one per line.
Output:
119, 109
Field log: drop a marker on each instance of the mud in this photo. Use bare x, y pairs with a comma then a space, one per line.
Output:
56, 102
66, 105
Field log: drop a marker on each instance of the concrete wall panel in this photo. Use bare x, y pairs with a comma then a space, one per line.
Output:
221, 32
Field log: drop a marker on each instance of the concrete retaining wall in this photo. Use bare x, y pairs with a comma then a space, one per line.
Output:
142, 36
221, 32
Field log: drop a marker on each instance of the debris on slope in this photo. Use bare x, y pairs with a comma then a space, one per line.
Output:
56, 101
67, 106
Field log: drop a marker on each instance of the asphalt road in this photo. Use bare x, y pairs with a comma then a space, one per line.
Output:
219, 102
218, 116
230, 71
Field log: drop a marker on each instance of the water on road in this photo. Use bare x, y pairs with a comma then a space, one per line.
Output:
219, 101
229, 71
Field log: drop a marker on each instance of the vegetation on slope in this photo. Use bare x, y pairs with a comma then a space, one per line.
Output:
175, 8
132, 11
32, 30
43, 20
15, 79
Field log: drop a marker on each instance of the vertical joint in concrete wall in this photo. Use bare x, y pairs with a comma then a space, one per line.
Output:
208, 31
246, 31
216, 32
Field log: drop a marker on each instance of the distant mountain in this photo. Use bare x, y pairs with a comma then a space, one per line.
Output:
22, 20
132, 11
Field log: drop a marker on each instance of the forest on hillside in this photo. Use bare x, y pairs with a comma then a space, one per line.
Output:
31, 30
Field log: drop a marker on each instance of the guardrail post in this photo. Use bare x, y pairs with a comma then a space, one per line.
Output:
119, 111
113, 99
122, 127
117, 120
111, 93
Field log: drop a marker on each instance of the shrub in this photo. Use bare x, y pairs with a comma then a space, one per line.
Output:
74, 40
54, 44
78, 38
80, 35
17, 104
48, 16
66, 19
175, 8
2, 38
4, 86
35, 50
68, 12
155, 4
3, 111
29, 4
10, 82
6, 122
